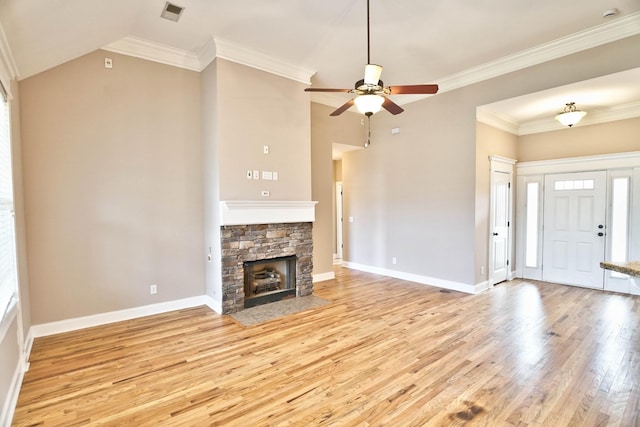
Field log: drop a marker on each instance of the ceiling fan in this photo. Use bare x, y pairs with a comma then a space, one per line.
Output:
371, 91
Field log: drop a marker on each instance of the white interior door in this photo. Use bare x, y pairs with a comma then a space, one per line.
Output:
574, 228
499, 228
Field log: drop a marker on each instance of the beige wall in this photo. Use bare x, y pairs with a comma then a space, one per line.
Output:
113, 185
412, 195
257, 109
489, 142
582, 140
325, 131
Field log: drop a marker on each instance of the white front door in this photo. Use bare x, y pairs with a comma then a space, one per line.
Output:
499, 228
574, 228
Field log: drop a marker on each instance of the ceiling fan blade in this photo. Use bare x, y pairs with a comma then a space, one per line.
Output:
342, 109
414, 90
391, 106
319, 89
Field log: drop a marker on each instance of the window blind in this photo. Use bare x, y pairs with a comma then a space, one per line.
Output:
8, 277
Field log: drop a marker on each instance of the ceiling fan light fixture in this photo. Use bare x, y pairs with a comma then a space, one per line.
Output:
571, 115
372, 74
369, 104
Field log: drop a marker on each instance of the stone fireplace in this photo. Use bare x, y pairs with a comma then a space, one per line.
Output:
263, 242
264, 231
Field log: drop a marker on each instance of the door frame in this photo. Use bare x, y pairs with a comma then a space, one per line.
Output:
339, 221
530, 172
501, 165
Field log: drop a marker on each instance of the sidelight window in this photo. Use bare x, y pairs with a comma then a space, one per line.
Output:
8, 277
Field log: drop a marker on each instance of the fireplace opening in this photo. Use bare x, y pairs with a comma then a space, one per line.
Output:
269, 280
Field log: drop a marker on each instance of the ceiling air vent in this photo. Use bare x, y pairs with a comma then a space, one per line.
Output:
171, 12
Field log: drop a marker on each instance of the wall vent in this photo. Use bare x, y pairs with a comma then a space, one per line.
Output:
171, 11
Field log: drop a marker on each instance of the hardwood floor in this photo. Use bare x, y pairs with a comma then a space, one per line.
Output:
383, 352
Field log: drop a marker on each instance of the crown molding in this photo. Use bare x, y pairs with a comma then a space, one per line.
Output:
619, 112
214, 48
497, 121
254, 59
623, 27
157, 52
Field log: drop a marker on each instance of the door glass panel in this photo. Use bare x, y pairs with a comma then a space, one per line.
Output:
531, 250
619, 222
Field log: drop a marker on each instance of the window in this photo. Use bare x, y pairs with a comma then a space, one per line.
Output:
8, 277
619, 222
578, 184
531, 236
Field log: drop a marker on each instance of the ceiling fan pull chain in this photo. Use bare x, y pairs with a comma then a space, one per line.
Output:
368, 142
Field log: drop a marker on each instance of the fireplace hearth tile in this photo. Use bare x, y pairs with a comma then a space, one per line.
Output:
266, 312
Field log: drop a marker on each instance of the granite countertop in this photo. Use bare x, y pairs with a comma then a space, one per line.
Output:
631, 268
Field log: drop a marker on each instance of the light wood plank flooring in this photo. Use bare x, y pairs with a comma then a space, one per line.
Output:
384, 352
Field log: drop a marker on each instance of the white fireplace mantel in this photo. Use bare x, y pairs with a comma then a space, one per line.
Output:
234, 212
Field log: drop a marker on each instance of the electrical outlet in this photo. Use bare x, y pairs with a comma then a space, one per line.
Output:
108, 63
394, 261
256, 174
153, 289
265, 193
265, 149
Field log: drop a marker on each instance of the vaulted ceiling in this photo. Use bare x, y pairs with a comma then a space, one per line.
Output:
437, 41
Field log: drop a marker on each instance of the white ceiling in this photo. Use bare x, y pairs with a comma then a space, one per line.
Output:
417, 41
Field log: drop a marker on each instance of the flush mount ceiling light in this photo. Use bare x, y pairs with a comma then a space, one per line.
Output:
571, 115
172, 12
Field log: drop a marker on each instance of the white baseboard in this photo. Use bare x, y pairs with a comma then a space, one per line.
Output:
68, 325
425, 280
482, 286
321, 277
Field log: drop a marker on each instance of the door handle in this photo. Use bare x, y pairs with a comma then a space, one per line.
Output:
601, 226
495, 234
600, 234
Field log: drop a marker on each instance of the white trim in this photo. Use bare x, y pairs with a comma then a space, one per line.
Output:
615, 113
579, 164
424, 280
157, 52
258, 212
11, 399
261, 61
497, 121
620, 28
8, 319
321, 277
74, 324
592, 37
213, 48
502, 164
